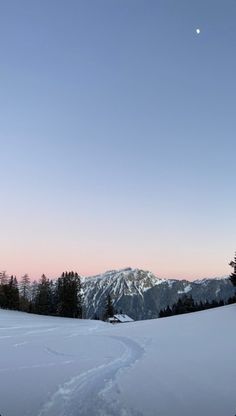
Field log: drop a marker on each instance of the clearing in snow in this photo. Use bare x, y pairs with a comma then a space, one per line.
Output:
179, 366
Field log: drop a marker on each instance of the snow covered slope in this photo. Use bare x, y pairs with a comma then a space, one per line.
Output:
141, 295
179, 366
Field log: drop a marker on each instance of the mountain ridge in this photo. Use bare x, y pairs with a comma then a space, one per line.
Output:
141, 294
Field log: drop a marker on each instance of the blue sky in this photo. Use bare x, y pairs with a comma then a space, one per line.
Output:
117, 138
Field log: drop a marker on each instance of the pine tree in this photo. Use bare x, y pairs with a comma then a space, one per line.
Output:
12, 293
109, 308
3, 278
52, 298
25, 293
33, 296
69, 295
16, 294
3, 290
233, 275
43, 297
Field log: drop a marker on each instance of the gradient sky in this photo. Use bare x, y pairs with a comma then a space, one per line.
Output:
117, 136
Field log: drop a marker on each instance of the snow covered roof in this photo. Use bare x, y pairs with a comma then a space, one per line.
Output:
123, 318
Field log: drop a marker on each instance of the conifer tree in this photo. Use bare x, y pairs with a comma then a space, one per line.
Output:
233, 274
12, 293
24, 293
69, 296
43, 297
109, 309
52, 298
3, 278
3, 284
33, 296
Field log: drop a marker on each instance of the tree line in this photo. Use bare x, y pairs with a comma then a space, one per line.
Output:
186, 304
62, 297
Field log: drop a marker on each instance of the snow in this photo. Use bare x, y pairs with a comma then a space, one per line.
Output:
121, 282
162, 367
187, 289
123, 318
206, 281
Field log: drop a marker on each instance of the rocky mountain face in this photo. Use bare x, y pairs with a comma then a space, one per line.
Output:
141, 295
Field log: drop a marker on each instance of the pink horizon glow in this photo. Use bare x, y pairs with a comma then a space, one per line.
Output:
52, 272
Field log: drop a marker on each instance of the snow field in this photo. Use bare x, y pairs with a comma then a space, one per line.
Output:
183, 365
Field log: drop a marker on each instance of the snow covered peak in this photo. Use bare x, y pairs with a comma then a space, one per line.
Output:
120, 284
141, 295
125, 281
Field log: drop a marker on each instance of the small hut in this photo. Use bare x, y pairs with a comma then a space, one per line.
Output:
120, 318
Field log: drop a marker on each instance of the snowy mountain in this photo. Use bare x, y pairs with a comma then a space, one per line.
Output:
142, 295
179, 366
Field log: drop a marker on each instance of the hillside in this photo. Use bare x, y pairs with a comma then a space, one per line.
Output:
172, 366
142, 295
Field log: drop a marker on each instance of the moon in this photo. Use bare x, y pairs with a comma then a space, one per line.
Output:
198, 31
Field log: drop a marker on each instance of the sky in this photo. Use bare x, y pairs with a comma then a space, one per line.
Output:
117, 136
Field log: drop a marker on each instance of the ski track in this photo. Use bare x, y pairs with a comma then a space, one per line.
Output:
29, 367
54, 352
87, 394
